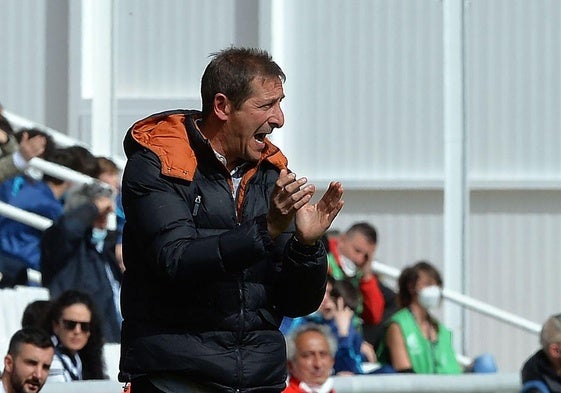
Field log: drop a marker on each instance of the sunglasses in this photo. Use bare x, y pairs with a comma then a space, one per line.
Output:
71, 325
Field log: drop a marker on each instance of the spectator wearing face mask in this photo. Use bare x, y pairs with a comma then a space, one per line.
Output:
415, 341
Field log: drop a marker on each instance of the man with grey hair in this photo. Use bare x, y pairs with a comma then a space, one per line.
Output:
542, 371
311, 352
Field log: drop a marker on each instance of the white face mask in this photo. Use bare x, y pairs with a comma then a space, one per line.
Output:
429, 297
348, 266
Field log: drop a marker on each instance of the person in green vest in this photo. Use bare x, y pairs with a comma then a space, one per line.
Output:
415, 341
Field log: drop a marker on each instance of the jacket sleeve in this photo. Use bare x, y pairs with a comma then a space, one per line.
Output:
61, 239
158, 215
346, 357
300, 286
373, 301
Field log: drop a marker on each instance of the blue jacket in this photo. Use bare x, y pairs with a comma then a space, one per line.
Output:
205, 287
21, 240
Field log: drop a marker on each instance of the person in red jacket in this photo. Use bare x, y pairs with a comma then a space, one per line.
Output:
311, 352
350, 257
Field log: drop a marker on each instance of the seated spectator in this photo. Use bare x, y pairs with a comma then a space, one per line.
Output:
20, 240
415, 341
311, 352
35, 313
337, 311
350, 257
27, 363
542, 371
25, 139
78, 252
11, 186
13, 156
75, 330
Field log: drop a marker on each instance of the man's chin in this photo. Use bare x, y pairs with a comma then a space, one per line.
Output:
30, 387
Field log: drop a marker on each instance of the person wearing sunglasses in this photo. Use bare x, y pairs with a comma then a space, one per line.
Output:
75, 329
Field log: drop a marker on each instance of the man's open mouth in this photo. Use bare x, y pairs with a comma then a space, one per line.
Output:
260, 137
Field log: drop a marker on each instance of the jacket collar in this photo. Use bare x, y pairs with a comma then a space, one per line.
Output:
171, 136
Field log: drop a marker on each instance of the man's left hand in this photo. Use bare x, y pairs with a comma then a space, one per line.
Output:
313, 220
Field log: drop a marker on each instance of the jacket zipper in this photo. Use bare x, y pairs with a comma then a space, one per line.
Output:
241, 329
197, 205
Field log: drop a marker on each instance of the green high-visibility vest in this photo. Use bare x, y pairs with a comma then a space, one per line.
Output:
426, 357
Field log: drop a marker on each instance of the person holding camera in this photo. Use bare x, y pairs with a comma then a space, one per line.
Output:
78, 252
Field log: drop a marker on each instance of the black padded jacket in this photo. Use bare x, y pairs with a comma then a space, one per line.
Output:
205, 287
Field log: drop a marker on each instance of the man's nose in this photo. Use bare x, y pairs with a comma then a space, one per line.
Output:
317, 361
38, 372
277, 118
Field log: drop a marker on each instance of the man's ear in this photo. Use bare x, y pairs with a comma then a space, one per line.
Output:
222, 106
8, 364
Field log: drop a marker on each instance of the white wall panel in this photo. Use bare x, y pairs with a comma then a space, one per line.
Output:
409, 224
514, 88
364, 89
22, 69
514, 266
163, 47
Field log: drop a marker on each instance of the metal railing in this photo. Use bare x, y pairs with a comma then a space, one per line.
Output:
469, 302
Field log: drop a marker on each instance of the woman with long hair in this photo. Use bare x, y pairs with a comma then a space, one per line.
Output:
75, 329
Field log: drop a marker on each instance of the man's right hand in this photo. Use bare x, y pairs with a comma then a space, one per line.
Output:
289, 195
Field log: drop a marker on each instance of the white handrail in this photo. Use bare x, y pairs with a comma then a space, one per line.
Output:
55, 170
469, 302
62, 172
33, 220
59, 138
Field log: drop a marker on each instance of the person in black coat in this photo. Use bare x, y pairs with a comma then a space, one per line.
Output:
220, 241
78, 252
542, 371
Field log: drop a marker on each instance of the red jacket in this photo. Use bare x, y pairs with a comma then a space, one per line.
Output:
294, 387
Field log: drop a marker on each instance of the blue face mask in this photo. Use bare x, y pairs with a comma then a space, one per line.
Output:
98, 234
98, 237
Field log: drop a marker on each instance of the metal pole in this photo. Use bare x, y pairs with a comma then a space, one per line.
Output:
456, 193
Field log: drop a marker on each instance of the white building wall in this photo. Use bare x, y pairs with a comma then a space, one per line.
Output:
23, 62
364, 105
